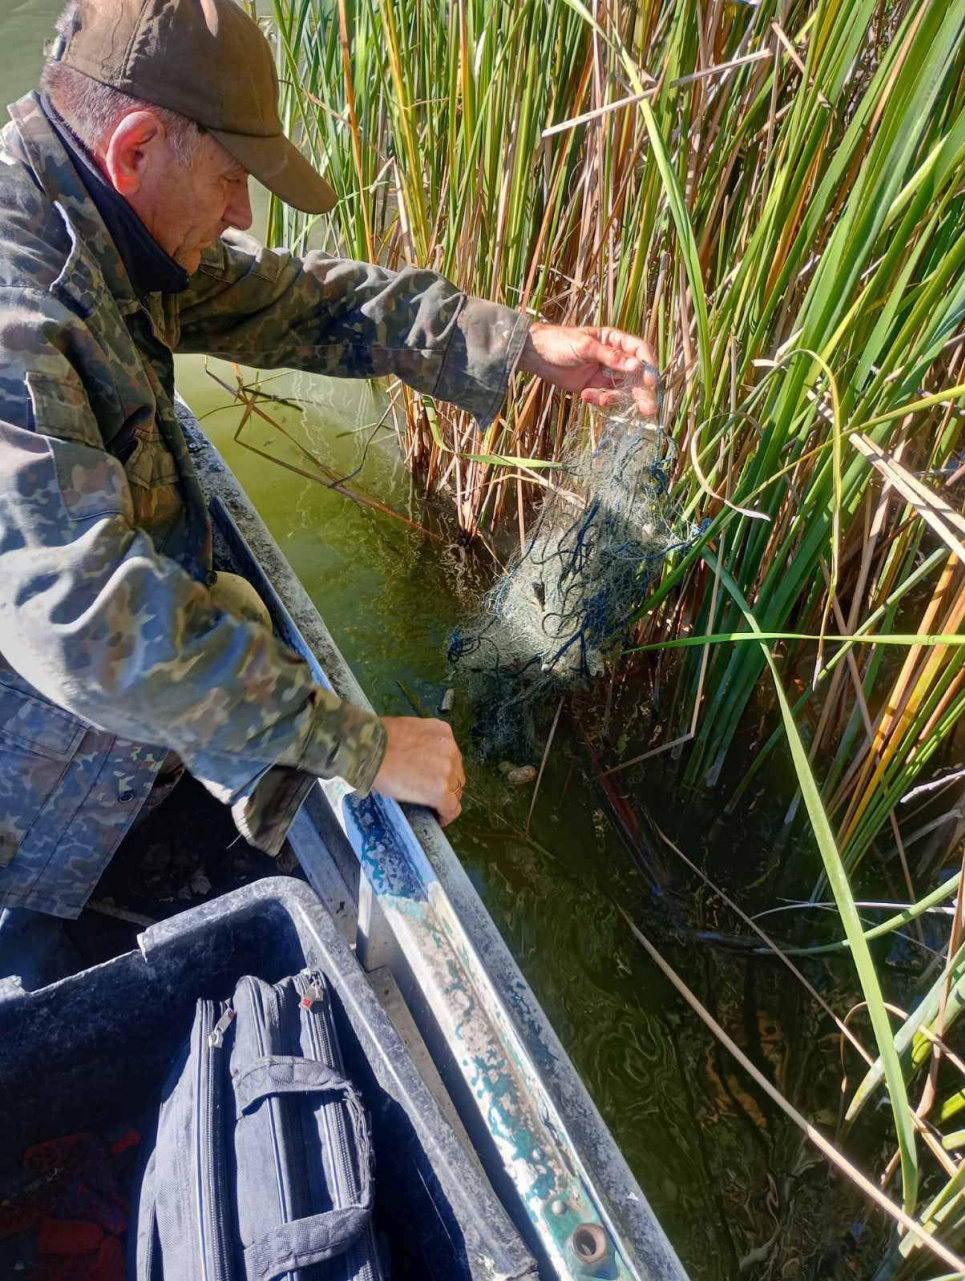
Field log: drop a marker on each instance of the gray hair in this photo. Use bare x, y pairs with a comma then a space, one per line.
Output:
93, 110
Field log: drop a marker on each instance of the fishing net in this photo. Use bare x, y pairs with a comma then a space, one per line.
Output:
559, 612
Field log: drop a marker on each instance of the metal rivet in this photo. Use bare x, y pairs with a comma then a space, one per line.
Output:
590, 1244
558, 1206
125, 796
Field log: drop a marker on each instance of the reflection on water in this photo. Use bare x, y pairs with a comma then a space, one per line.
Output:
729, 1181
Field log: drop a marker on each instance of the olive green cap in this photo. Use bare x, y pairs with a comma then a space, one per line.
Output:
207, 60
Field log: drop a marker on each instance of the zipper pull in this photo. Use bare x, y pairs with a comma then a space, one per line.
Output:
315, 991
216, 1035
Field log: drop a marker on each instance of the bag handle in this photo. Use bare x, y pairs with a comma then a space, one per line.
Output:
285, 1074
318, 1236
305, 1241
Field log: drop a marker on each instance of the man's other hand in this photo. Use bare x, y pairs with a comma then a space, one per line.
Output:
591, 360
422, 764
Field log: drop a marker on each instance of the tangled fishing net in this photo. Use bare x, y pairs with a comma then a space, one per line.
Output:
562, 607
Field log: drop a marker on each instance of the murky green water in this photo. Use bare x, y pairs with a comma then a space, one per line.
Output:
725, 1177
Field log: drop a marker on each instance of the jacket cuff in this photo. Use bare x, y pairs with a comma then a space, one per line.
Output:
346, 742
368, 761
481, 357
264, 815
265, 812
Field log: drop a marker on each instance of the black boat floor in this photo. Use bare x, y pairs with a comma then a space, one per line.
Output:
185, 852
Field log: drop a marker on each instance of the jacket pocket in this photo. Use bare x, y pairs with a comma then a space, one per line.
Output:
37, 743
150, 463
152, 472
155, 492
61, 408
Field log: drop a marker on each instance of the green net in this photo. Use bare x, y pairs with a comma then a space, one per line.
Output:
555, 618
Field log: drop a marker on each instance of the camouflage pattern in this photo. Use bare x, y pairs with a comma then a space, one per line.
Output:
113, 652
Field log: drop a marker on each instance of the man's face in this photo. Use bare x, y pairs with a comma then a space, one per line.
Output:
185, 207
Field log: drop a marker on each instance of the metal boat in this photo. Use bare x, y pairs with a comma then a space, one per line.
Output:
427, 949
395, 884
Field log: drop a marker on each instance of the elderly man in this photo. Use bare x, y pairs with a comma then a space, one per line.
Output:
123, 186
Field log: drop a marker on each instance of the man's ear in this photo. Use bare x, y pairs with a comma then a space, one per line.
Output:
133, 146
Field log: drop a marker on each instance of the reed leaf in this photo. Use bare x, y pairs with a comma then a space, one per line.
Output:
841, 889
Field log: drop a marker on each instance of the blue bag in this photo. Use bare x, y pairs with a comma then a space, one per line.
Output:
262, 1166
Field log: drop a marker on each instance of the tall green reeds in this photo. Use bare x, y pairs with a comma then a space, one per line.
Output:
777, 208
773, 194
777, 205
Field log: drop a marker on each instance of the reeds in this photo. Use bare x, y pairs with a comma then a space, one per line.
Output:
773, 195
777, 206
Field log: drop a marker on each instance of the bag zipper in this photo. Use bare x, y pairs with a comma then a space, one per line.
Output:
216, 1035
314, 991
215, 1255
310, 985
272, 1107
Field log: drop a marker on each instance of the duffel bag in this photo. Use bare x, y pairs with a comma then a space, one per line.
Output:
262, 1164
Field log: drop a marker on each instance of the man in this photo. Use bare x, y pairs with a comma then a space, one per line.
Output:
122, 189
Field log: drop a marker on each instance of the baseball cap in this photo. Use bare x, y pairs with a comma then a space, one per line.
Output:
207, 60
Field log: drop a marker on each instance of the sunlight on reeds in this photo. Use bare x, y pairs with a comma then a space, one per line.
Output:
773, 195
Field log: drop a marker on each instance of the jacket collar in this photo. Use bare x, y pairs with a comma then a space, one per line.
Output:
93, 264
150, 268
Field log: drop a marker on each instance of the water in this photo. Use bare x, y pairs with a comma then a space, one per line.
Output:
729, 1180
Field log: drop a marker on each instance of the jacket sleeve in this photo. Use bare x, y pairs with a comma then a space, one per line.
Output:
102, 625
326, 315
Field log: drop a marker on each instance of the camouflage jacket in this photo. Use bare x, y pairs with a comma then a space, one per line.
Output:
111, 652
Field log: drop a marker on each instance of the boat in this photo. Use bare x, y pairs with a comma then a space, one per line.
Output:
533, 1183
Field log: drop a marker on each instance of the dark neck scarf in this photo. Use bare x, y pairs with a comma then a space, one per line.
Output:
150, 268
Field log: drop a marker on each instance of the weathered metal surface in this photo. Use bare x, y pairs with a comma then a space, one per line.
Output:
554, 1148
526, 1125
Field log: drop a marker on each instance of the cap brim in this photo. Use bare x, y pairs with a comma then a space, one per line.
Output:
281, 167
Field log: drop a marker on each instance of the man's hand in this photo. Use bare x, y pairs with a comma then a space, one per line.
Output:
591, 361
422, 764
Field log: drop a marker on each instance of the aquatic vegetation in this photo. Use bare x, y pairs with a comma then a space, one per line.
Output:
773, 194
